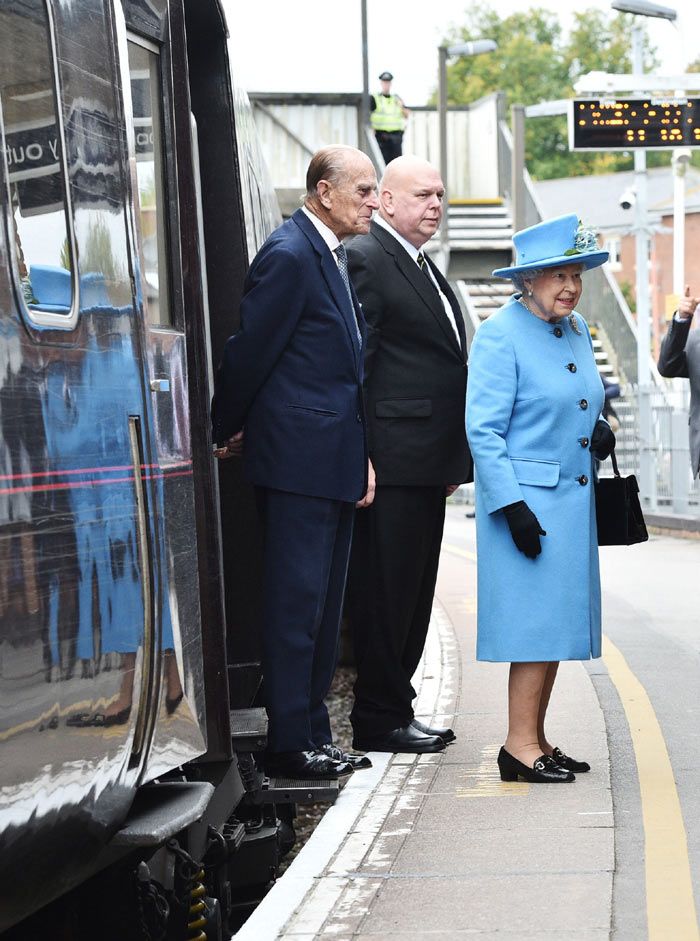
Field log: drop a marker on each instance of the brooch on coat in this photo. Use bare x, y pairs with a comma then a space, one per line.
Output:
574, 324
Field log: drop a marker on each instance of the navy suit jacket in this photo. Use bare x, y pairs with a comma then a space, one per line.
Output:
291, 376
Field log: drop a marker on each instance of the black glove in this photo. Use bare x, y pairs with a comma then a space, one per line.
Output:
524, 528
602, 440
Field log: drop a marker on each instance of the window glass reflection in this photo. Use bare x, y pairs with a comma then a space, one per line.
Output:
34, 157
146, 98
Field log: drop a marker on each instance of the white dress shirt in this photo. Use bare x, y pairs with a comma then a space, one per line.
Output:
413, 252
328, 235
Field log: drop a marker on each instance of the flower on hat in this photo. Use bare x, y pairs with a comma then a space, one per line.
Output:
585, 240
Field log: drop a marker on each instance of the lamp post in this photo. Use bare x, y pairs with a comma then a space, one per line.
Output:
647, 465
474, 48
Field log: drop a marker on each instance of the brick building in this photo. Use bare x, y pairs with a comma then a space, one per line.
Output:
597, 200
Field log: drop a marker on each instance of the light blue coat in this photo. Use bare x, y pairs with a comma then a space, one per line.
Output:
533, 398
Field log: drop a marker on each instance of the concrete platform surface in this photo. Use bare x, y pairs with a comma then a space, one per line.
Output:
436, 846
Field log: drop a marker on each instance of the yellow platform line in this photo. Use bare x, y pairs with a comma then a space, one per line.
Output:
669, 888
671, 909
456, 550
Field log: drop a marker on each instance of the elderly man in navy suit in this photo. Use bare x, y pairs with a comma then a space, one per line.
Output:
289, 396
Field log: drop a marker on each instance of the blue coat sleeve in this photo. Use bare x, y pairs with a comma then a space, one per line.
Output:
491, 392
274, 299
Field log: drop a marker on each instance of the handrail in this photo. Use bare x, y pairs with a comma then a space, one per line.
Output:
275, 120
471, 320
373, 152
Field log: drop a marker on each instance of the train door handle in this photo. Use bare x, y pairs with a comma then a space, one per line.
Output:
160, 385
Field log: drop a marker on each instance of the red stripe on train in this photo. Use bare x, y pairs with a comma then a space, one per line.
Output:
70, 485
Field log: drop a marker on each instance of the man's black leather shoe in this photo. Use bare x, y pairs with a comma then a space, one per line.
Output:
447, 735
356, 762
304, 765
404, 739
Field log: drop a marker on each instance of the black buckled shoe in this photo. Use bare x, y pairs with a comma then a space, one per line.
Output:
447, 735
406, 739
543, 771
578, 767
356, 762
304, 765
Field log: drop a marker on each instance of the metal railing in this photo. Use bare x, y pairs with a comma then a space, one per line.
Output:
676, 489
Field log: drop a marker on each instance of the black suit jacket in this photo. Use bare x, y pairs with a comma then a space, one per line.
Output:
415, 370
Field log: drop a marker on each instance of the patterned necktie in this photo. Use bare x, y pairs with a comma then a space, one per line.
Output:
342, 257
423, 265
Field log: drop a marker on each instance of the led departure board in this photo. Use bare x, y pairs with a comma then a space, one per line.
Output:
628, 123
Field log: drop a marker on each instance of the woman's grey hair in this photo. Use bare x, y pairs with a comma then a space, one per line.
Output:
520, 277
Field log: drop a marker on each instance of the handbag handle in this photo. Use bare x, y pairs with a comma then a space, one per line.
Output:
616, 469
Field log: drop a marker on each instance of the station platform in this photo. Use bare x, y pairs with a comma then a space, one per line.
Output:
438, 847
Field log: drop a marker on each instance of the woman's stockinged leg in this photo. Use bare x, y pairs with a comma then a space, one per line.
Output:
526, 685
551, 675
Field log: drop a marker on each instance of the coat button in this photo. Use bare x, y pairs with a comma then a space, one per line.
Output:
583, 480
571, 367
584, 442
583, 404
359, 417
558, 332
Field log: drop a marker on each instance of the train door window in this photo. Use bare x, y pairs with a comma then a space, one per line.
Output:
144, 68
39, 214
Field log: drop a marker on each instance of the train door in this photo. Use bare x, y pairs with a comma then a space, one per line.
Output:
178, 718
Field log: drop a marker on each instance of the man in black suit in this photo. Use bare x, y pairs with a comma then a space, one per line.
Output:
289, 395
415, 384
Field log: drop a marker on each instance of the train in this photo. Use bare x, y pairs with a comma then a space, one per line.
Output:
132, 800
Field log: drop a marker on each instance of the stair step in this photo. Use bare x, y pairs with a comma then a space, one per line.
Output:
484, 222
478, 210
480, 245
292, 791
471, 232
248, 730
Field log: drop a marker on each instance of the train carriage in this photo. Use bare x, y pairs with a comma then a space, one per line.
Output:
132, 195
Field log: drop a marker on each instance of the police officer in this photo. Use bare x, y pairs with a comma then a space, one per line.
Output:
388, 118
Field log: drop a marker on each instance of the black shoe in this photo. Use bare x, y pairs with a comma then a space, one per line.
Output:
569, 763
544, 770
404, 739
447, 735
356, 762
304, 765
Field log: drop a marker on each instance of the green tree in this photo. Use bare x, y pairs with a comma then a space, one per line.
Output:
535, 61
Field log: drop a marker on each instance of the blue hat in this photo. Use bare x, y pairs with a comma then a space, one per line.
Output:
561, 241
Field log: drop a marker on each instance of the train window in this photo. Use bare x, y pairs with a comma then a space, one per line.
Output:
144, 68
33, 146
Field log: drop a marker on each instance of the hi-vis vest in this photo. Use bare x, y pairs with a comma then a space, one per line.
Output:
388, 114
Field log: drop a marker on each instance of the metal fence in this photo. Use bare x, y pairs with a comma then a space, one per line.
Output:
676, 490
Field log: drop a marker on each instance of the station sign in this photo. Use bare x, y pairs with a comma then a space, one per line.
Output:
634, 123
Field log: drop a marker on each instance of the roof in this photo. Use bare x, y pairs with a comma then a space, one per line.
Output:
596, 198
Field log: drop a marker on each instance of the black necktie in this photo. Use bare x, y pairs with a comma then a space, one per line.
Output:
342, 257
423, 265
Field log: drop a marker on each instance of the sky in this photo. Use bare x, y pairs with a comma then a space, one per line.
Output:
315, 45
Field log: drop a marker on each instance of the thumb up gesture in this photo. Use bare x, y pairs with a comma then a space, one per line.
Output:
687, 305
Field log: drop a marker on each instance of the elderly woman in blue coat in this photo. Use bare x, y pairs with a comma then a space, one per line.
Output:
534, 400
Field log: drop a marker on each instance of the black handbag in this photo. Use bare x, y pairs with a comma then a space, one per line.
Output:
618, 511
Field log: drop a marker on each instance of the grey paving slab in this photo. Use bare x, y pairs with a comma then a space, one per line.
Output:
521, 850
517, 903
443, 935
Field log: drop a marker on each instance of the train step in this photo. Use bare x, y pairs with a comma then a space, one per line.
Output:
162, 809
248, 730
293, 791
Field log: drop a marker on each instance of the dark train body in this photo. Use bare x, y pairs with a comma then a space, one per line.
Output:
132, 195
